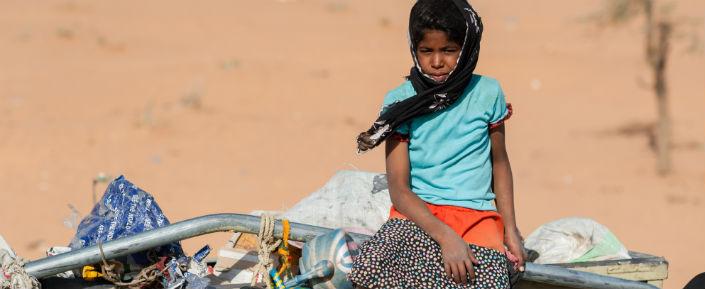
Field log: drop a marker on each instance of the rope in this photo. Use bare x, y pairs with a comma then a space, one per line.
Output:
265, 245
14, 276
283, 251
112, 270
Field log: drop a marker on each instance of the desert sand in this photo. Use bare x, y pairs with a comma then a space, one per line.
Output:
234, 106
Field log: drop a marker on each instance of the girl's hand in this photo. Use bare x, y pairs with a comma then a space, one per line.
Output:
458, 259
514, 242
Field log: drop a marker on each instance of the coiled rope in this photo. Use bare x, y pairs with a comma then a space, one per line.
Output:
265, 245
111, 271
14, 275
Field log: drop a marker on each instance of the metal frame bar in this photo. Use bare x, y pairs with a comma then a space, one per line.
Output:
161, 236
560, 276
299, 232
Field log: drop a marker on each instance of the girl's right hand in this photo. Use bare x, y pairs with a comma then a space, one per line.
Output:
458, 258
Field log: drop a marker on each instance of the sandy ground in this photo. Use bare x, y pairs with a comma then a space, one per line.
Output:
233, 106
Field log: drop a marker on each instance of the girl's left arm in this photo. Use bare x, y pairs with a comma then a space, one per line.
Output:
504, 191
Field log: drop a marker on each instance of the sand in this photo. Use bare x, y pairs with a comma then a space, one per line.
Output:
234, 106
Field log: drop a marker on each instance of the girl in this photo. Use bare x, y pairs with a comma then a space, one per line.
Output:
447, 166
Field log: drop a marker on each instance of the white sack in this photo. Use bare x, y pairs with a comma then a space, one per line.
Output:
575, 240
351, 199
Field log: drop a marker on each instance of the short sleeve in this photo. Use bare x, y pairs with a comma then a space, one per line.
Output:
500, 110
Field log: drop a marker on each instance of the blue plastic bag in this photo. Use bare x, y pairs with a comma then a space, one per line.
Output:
124, 210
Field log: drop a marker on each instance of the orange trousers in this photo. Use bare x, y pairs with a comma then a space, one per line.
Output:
481, 228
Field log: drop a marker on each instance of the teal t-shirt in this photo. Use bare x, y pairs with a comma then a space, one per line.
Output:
450, 150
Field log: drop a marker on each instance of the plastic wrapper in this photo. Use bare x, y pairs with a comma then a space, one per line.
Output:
173, 277
197, 265
195, 282
201, 254
124, 210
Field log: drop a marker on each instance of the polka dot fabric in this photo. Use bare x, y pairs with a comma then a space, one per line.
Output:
402, 256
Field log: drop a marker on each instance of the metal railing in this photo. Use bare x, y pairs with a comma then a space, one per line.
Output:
299, 232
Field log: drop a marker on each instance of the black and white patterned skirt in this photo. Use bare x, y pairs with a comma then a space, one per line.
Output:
402, 256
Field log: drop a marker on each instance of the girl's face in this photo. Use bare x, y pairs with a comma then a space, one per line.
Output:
437, 55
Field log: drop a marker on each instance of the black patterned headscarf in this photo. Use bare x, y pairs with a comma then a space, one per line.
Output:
430, 95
